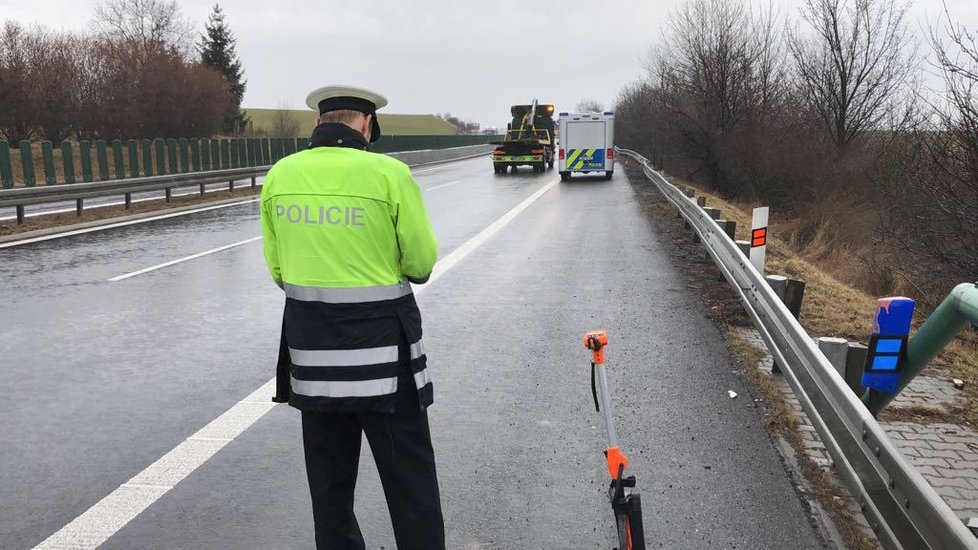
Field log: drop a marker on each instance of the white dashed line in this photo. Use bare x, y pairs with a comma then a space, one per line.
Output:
184, 259
443, 185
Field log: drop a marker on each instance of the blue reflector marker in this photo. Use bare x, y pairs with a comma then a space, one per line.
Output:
888, 344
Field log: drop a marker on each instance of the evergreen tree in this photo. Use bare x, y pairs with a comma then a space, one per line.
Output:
217, 51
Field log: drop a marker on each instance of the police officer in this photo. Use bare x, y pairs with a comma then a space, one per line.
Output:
345, 234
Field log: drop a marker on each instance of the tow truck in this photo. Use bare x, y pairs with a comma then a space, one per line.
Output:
529, 139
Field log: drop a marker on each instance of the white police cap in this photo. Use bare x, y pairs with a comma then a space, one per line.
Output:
334, 97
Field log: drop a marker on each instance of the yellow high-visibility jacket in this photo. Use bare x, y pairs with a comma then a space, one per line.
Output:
345, 231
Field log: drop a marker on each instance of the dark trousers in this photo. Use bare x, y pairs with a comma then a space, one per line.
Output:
401, 445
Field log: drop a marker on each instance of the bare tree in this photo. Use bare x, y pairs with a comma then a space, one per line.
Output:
284, 124
15, 96
143, 22
856, 59
932, 224
589, 106
717, 73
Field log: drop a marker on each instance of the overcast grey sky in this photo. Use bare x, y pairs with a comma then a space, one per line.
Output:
472, 59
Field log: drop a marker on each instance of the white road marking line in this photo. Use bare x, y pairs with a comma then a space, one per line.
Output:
184, 259
461, 252
443, 185
106, 517
447, 164
124, 224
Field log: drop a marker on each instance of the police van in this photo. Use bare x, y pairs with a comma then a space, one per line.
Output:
586, 144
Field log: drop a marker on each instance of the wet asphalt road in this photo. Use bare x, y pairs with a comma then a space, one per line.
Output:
103, 378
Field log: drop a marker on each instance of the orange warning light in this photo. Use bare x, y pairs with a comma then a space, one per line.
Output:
758, 237
596, 340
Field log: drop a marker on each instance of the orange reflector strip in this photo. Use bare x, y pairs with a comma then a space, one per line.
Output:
758, 237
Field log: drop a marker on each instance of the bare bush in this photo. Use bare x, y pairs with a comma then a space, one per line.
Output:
589, 106
284, 124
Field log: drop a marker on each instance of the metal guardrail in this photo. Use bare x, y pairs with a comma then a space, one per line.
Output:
78, 192
905, 512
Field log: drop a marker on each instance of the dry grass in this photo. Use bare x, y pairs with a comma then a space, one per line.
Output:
834, 308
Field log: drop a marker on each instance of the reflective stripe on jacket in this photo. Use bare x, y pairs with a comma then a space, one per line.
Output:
344, 230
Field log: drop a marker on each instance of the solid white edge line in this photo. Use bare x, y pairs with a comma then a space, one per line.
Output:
184, 259
125, 223
109, 515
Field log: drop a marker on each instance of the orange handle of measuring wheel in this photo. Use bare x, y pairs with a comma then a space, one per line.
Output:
616, 459
596, 340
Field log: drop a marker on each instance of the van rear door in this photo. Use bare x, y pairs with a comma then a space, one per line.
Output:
585, 145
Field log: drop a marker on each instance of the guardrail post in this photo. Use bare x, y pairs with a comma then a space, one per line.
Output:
132, 147
158, 145
20, 213
79, 207
794, 295
184, 156
713, 213
102, 156
27, 162
85, 150
147, 147
836, 351
744, 247
779, 285
47, 158
791, 292
120, 161
729, 227
701, 201
169, 194
6, 169
855, 362
68, 161
172, 166
195, 154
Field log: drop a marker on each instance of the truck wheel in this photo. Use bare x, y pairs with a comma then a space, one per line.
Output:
565, 176
609, 174
513, 168
499, 169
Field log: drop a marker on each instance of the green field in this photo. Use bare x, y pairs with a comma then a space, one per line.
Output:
390, 124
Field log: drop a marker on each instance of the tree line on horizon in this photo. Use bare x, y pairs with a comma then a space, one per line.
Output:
138, 73
826, 118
